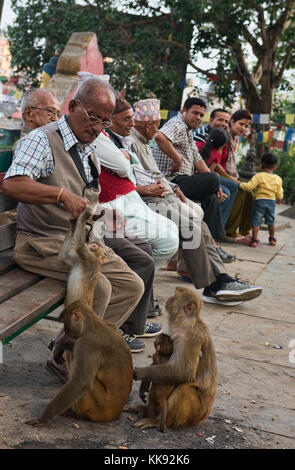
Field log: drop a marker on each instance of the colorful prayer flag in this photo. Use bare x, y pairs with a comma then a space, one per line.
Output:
265, 137
260, 119
289, 118
164, 113
264, 119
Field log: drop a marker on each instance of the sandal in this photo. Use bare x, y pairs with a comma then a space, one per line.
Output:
244, 240
185, 277
170, 266
253, 243
272, 241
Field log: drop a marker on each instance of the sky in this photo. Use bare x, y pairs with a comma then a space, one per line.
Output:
7, 15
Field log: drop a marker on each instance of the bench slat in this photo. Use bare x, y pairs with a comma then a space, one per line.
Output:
6, 203
16, 281
18, 311
7, 236
6, 261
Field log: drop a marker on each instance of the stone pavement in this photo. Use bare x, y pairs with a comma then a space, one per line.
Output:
255, 401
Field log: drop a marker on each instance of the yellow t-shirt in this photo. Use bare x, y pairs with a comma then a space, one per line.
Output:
266, 186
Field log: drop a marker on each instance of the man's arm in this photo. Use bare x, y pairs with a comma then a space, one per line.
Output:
201, 166
32, 160
168, 148
25, 189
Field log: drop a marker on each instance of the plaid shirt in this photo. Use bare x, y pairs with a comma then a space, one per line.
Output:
182, 139
33, 156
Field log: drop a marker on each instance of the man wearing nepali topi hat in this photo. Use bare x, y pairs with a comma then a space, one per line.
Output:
202, 261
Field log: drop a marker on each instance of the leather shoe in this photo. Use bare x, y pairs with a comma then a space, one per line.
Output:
224, 256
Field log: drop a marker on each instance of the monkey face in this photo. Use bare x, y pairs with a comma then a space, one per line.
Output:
98, 251
185, 302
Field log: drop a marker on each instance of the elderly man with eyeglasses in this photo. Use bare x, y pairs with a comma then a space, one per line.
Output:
54, 176
38, 107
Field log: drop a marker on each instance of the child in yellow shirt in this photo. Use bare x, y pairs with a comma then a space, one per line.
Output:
268, 192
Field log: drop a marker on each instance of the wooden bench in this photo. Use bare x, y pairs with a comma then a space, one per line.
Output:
25, 298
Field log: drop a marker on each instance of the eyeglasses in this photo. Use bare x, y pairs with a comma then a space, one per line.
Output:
105, 123
48, 111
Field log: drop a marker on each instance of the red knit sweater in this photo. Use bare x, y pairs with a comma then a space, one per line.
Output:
113, 186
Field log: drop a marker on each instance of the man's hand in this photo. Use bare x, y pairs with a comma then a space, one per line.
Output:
154, 190
179, 193
176, 164
221, 195
114, 220
72, 203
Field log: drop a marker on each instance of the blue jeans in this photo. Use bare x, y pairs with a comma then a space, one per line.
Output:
230, 188
263, 209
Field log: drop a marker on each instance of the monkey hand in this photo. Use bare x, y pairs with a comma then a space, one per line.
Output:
139, 373
36, 422
144, 388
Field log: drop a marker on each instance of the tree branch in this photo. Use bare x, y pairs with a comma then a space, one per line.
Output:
284, 65
262, 25
275, 31
256, 47
188, 56
249, 84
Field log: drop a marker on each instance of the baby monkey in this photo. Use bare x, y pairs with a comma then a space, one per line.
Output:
158, 394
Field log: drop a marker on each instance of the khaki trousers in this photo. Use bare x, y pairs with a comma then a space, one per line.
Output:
118, 289
203, 262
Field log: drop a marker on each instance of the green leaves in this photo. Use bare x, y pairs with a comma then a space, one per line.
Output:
152, 43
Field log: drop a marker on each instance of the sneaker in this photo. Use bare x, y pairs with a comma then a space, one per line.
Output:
135, 345
154, 313
209, 297
150, 329
237, 290
224, 256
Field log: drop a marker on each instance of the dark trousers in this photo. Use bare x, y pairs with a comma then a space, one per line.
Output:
203, 187
138, 255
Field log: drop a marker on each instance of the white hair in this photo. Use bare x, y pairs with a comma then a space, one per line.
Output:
88, 86
31, 97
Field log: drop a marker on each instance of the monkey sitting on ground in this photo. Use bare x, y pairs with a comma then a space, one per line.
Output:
191, 368
101, 370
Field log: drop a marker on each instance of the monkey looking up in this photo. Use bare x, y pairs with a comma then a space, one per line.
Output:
191, 368
85, 262
101, 370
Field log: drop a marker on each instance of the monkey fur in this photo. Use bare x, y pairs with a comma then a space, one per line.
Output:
85, 262
191, 369
101, 370
97, 358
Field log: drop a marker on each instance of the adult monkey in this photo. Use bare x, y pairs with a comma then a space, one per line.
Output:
97, 355
100, 369
192, 365
52, 189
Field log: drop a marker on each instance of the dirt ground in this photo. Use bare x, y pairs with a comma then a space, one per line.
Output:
254, 406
